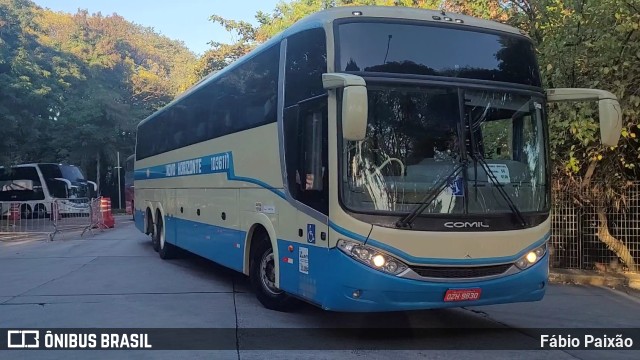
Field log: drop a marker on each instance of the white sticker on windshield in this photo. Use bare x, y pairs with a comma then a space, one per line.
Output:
501, 172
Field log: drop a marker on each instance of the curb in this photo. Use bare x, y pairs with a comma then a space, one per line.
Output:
583, 277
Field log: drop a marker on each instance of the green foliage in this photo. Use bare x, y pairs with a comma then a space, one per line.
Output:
593, 44
74, 87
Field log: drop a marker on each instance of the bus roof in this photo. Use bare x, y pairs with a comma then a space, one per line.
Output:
328, 16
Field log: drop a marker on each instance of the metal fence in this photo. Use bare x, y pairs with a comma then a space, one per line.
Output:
47, 219
577, 231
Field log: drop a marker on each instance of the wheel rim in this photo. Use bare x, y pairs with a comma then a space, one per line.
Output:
268, 274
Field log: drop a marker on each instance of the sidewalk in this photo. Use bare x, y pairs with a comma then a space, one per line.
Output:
597, 278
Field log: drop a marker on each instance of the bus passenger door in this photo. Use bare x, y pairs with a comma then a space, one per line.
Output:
306, 155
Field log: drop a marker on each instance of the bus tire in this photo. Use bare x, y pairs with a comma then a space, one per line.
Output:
26, 212
40, 211
262, 277
155, 236
165, 250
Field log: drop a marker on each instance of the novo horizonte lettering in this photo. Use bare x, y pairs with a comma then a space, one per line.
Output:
194, 166
187, 167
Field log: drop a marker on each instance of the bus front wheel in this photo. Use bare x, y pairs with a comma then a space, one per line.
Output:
262, 276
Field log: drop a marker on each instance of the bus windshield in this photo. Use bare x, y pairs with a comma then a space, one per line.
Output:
417, 138
71, 173
53, 173
20, 184
409, 48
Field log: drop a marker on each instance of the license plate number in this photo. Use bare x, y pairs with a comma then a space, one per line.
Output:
462, 295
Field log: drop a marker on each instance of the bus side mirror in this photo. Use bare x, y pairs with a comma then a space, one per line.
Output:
609, 110
95, 186
354, 103
610, 121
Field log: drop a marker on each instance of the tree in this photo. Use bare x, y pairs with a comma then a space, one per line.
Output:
599, 43
74, 87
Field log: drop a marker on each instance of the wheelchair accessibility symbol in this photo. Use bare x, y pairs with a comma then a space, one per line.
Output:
311, 233
457, 187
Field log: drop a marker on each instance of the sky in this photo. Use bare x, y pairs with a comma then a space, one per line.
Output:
185, 20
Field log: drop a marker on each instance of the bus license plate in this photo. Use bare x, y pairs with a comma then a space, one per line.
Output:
462, 295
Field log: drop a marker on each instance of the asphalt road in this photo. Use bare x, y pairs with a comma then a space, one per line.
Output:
114, 279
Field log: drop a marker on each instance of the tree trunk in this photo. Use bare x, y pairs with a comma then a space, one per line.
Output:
617, 246
98, 172
587, 177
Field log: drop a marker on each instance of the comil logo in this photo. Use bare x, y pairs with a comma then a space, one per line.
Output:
23, 339
465, 224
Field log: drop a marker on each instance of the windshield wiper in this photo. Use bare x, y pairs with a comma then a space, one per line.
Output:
405, 221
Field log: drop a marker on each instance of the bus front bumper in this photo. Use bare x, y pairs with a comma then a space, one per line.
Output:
377, 291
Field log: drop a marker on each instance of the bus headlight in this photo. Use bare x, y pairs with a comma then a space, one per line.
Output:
372, 257
531, 257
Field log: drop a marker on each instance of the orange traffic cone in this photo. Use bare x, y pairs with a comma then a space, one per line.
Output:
105, 208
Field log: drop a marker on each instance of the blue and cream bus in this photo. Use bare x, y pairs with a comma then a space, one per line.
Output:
34, 187
365, 159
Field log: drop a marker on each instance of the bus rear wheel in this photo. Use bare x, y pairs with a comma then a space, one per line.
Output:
262, 275
40, 211
26, 211
153, 229
165, 250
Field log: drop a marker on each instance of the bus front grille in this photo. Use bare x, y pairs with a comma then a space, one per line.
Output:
452, 272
